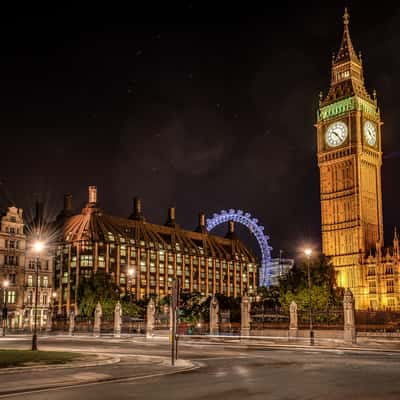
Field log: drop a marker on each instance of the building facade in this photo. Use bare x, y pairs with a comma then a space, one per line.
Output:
38, 275
95, 241
18, 269
12, 265
349, 129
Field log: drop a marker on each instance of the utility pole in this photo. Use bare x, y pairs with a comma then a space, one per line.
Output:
174, 313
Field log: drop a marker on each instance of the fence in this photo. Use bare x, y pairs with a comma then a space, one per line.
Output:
377, 321
268, 318
331, 318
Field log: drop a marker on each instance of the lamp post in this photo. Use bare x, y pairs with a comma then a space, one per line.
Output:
308, 253
4, 315
131, 272
37, 248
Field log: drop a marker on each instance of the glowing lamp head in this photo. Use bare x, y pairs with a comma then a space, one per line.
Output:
308, 252
6, 283
54, 294
131, 271
38, 246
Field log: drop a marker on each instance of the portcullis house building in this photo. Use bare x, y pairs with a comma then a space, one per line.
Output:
155, 254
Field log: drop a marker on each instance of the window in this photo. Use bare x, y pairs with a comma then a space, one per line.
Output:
372, 287
12, 278
11, 244
11, 297
390, 286
86, 261
101, 262
389, 270
44, 302
30, 281
45, 281
391, 303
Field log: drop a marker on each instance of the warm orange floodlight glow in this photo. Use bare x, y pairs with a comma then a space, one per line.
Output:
38, 246
308, 252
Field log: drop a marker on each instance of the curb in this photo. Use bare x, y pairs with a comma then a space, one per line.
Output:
191, 365
107, 361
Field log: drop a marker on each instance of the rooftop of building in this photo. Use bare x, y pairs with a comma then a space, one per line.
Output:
94, 225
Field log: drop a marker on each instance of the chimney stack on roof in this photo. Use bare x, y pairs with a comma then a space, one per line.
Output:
202, 223
231, 230
68, 202
137, 210
171, 217
92, 194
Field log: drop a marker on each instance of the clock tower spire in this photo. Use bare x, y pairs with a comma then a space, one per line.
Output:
349, 158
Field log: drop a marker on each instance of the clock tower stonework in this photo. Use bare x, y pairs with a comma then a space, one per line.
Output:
349, 159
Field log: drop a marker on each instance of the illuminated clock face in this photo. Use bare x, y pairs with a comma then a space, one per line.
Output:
370, 133
336, 134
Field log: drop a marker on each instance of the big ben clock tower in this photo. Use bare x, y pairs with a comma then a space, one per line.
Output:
349, 158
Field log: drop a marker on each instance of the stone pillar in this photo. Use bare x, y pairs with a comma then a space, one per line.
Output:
98, 313
71, 326
349, 334
293, 325
117, 320
214, 316
151, 309
245, 316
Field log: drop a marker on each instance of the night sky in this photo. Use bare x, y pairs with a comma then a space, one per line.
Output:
197, 106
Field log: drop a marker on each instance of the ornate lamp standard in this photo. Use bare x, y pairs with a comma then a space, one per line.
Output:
38, 246
5, 311
308, 253
131, 273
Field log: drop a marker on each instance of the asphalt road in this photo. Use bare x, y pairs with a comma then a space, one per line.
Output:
235, 372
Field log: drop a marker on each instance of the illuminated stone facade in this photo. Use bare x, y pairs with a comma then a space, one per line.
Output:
12, 261
350, 159
95, 241
18, 268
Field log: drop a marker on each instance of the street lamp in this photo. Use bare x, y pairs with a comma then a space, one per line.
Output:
308, 253
4, 315
38, 246
131, 272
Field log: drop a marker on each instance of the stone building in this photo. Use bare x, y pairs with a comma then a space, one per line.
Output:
12, 262
156, 254
18, 267
349, 129
40, 269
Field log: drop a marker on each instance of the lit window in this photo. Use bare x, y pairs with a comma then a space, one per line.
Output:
11, 297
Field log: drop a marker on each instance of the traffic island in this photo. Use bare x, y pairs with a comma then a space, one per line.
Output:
28, 358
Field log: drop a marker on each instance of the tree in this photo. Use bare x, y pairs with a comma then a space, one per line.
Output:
324, 293
98, 288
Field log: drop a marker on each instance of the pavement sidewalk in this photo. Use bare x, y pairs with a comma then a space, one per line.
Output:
123, 368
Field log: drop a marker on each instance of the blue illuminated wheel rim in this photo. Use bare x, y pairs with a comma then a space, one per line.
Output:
246, 219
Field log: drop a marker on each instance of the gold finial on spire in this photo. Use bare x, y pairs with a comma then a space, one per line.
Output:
346, 16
